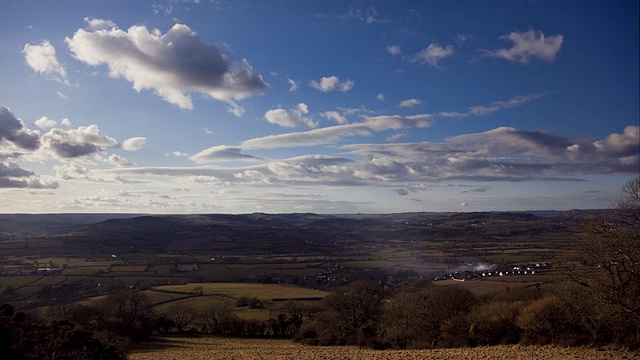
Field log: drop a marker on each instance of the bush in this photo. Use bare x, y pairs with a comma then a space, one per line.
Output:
545, 320
20, 339
495, 323
422, 319
249, 302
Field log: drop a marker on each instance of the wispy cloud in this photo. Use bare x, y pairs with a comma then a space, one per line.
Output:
433, 54
222, 153
335, 116
410, 103
332, 83
494, 107
293, 85
528, 46
394, 50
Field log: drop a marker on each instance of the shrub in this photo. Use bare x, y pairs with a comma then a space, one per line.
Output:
421, 319
545, 320
20, 339
495, 323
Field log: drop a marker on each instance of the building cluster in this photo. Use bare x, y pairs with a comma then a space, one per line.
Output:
477, 274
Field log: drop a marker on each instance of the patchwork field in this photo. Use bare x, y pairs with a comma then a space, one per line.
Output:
318, 251
222, 348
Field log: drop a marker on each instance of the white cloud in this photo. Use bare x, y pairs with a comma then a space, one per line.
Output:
234, 108
118, 160
45, 123
293, 86
291, 118
396, 122
394, 50
502, 154
179, 154
396, 136
42, 59
367, 14
13, 170
222, 153
173, 64
134, 143
433, 54
13, 130
494, 107
203, 179
380, 97
76, 172
12, 176
65, 122
331, 83
625, 148
335, 133
335, 116
71, 171
100, 24
313, 137
410, 103
528, 46
82, 141
207, 130
62, 95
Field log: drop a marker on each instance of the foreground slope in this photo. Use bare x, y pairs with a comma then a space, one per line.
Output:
222, 348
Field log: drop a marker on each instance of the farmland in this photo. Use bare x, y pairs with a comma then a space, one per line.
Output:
259, 276
218, 348
92, 254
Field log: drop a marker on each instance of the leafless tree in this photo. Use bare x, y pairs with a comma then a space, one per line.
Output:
182, 315
217, 317
610, 255
126, 305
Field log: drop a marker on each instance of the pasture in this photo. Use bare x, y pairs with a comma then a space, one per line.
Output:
265, 292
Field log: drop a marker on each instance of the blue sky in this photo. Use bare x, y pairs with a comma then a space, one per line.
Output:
179, 106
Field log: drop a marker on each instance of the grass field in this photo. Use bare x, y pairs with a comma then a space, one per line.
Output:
261, 291
221, 348
198, 303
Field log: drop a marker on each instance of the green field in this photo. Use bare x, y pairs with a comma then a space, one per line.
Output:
261, 291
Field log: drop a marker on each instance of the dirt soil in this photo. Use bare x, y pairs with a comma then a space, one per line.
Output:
222, 348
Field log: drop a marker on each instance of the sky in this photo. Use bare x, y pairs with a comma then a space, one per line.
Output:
335, 106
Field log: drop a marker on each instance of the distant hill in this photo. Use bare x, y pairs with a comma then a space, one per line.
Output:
263, 234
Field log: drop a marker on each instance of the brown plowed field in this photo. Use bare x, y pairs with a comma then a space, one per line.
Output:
220, 348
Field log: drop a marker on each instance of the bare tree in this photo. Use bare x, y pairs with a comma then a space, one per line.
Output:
217, 318
182, 315
610, 255
355, 304
126, 305
350, 314
128, 313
